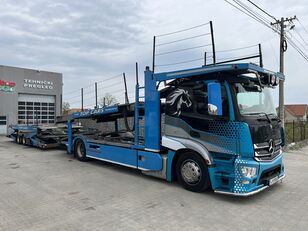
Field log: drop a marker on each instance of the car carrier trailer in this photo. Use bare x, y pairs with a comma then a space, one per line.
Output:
210, 127
44, 137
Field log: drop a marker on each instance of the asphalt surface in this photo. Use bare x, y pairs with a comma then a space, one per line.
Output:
49, 190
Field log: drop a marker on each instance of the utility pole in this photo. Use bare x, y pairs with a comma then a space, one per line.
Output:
283, 48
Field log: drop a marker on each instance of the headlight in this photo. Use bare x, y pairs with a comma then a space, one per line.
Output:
272, 79
276, 81
248, 172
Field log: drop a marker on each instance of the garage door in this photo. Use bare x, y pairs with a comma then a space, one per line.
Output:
36, 109
2, 125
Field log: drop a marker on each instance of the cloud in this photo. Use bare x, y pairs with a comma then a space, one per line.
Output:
88, 41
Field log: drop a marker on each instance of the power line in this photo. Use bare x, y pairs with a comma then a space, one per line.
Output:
302, 25
262, 10
259, 18
251, 16
300, 36
251, 11
283, 46
297, 48
299, 42
255, 17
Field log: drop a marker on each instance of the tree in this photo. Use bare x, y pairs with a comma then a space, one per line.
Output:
65, 108
108, 100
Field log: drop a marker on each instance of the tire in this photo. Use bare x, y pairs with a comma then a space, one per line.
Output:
19, 139
80, 150
24, 140
192, 172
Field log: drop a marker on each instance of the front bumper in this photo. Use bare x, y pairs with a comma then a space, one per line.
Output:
226, 178
251, 192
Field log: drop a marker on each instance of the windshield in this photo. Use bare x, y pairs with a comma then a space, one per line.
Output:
251, 101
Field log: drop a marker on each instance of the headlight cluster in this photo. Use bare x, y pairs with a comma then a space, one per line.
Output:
270, 80
274, 80
248, 172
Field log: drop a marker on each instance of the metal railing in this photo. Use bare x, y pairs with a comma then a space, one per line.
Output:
296, 131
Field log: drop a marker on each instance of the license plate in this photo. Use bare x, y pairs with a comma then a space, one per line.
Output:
273, 180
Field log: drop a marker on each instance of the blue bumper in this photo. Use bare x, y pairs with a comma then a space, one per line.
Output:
268, 173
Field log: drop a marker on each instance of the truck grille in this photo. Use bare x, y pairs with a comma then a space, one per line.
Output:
269, 174
267, 151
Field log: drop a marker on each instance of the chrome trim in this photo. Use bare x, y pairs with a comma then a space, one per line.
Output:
249, 193
260, 160
267, 154
276, 143
272, 149
151, 150
257, 147
114, 162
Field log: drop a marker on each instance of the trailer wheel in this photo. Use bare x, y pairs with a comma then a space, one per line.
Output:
24, 140
19, 139
192, 172
80, 150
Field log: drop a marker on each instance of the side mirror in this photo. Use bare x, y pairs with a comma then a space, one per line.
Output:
214, 99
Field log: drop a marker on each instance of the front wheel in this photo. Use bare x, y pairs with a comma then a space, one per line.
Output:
80, 150
192, 172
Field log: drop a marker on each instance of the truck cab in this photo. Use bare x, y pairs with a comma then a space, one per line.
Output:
227, 118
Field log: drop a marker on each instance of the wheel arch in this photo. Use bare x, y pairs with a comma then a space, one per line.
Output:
177, 155
181, 145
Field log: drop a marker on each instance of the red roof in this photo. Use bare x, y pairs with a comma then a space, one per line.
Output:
71, 110
297, 109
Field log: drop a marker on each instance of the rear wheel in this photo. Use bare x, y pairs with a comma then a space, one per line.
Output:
24, 140
19, 139
192, 172
80, 150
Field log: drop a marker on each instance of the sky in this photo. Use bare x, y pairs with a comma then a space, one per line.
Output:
98, 40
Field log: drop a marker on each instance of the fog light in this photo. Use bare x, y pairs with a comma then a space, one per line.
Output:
248, 172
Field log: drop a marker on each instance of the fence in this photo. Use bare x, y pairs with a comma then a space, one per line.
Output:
296, 131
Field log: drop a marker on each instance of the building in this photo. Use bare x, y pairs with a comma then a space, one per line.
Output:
29, 97
296, 112
72, 110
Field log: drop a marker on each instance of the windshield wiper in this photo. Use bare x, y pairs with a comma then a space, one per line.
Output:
261, 119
